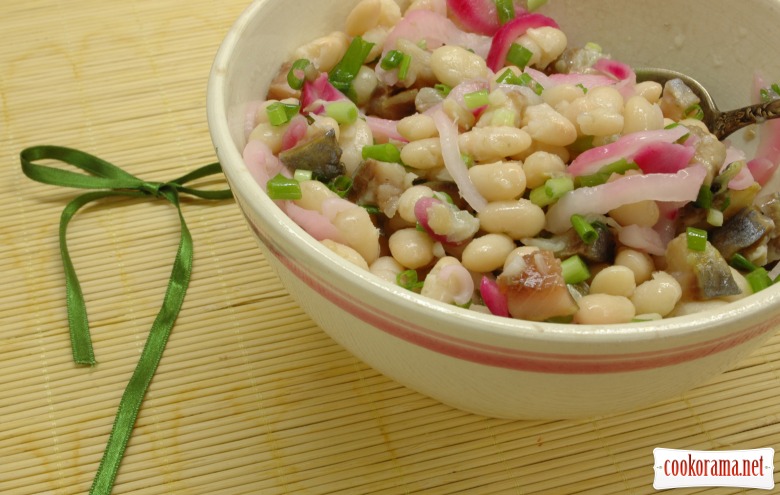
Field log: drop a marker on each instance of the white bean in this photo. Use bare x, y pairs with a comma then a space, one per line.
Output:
606, 97
313, 193
551, 42
600, 122
409, 198
641, 115
486, 144
387, 268
515, 263
352, 139
659, 295
498, 181
448, 289
540, 166
346, 252
416, 127
649, 90
614, 280
459, 114
604, 309
369, 14
546, 125
640, 263
452, 65
364, 84
358, 232
559, 97
411, 248
324, 52
517, 219
270, 135
423, 154
643, 213
487, 253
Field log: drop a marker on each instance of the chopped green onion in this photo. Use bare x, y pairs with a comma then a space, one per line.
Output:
408, 280
343, 112
443, 89
403, 67
704, 199
341, 185
443, 196
574, 270
386, 152
584, 229
504, 117
558, 186
280, 113
391, 60
281, 187
371, 209
467, 160
619, 167
758, 279
739, 262
518, 55
694, 112
346, 69
302, 175
721, 182
506, 10
509, 77
551, 191
769, 94
582, 87
715, 217
476, 99
593, 47
527, 80
298, 67
276, 114
672, 125
583, 143
591, 180
697, 239
725, 203
539, 197
602, 176
535, 4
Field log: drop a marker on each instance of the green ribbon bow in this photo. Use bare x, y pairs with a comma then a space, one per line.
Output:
116, 182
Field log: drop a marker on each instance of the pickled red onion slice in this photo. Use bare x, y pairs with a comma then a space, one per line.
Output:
598, 200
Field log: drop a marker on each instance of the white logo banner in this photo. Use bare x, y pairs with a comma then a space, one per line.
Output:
734, 468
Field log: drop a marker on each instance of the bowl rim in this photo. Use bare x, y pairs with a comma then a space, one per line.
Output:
304, 248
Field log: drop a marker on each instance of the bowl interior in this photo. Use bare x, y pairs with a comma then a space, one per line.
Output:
720, 42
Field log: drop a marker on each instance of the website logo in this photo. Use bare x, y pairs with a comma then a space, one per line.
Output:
732, 468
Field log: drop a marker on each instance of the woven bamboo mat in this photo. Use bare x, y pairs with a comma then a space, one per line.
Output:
250, 397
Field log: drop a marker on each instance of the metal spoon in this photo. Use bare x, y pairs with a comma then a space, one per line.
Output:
720, 123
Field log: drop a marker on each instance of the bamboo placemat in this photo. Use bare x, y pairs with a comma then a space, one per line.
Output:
250, 397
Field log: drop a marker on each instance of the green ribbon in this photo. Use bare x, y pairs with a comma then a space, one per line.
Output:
113, 181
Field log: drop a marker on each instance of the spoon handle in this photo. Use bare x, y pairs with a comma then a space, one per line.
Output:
731, 121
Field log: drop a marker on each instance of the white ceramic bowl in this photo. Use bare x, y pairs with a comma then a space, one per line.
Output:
485, 364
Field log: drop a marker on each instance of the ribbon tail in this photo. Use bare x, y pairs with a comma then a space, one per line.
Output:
205, 171
147, 364
78, 323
